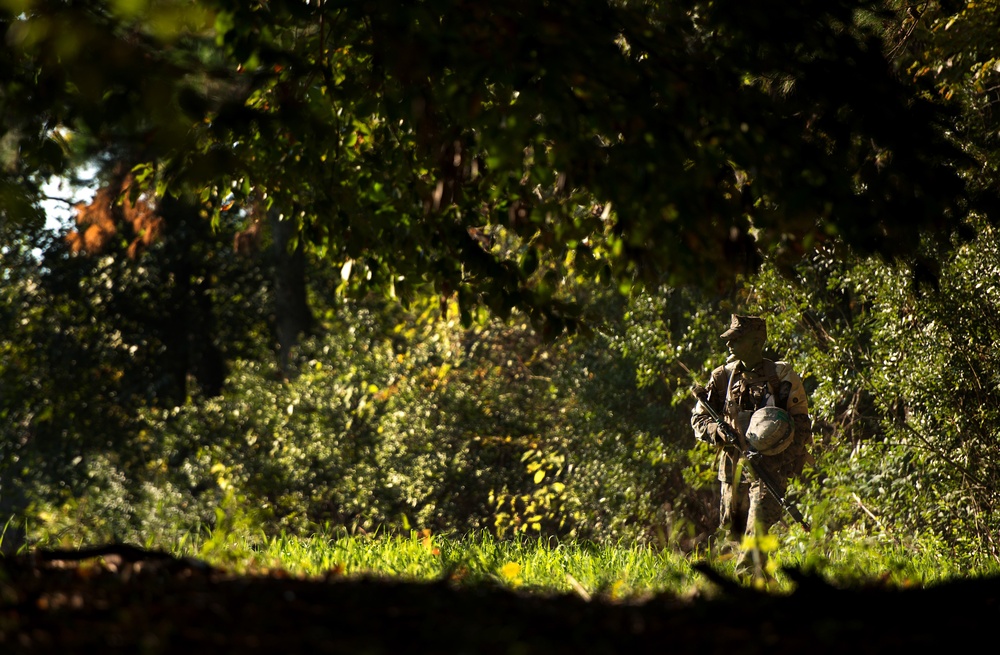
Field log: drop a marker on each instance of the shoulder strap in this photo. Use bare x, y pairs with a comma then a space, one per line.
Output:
720, 381
720, 377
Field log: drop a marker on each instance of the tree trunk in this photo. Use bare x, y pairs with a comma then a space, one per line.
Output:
292, 315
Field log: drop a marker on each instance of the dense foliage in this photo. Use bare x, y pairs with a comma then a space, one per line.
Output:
457, 270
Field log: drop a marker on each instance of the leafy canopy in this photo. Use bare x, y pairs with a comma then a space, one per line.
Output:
488, 149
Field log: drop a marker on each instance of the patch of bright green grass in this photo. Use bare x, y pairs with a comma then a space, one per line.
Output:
617, 572
620, 572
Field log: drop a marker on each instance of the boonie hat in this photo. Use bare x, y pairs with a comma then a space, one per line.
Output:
740, 325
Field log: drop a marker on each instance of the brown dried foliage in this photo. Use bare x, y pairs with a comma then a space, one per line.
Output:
111, 209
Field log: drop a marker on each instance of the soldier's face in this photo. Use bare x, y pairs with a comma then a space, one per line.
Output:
745, 347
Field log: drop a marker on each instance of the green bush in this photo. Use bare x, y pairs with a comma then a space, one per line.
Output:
902, 370
418, 424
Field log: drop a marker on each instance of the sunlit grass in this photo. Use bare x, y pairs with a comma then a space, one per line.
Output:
854, 556
623, 571
619, 572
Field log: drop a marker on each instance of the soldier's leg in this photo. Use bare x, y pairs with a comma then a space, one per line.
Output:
764, 512
733, 509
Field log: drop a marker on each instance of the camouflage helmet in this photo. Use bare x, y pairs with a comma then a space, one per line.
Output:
771, 430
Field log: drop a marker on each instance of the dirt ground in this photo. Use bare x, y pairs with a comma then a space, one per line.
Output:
153, 603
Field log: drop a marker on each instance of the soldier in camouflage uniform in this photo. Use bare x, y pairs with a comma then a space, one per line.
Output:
746, 383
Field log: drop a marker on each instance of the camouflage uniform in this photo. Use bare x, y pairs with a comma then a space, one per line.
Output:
735, 394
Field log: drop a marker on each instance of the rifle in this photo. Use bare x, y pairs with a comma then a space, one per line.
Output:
733, 441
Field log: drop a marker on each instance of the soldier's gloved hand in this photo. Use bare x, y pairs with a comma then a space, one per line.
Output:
715, 434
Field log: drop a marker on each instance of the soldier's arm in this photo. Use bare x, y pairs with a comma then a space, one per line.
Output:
704, 426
